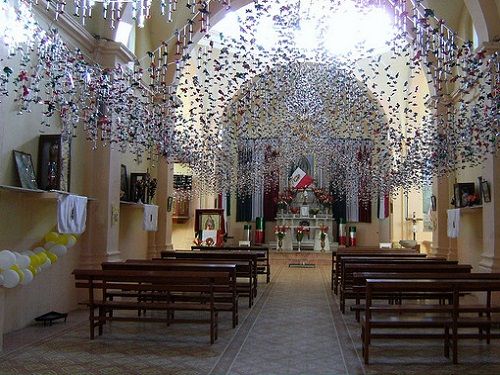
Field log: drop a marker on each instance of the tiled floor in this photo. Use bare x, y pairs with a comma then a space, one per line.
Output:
295, 327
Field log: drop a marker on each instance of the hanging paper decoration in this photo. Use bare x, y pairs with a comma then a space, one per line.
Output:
357, 109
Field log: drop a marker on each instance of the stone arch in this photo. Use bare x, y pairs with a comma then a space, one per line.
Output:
485, 15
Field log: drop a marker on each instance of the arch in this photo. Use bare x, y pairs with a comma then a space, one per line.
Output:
485, 15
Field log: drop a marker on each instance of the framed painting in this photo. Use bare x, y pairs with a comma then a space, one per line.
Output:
485, 189
138, 187
124, 186
209, 220
53, 163
461, 192
25, 171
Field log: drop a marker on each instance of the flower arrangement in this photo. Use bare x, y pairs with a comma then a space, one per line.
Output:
300, 230
323, 231
324, 197
280, 231
294, 210
472, 199
285, 198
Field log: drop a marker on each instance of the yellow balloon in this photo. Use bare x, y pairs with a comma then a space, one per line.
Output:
15, 267
51, 237
62, 240
34, 260
52, 257
42, 258
32, 269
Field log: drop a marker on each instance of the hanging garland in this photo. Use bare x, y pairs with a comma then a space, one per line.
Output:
19, 268
236, 97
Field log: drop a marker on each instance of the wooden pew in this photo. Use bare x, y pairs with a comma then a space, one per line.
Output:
263, 264
222, 256
152, 283
417, 265
359, 281
365, 251
441, 319
226, 296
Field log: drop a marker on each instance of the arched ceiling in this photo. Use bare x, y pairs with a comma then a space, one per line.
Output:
236, 91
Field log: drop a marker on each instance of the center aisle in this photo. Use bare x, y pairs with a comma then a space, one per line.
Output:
292, 330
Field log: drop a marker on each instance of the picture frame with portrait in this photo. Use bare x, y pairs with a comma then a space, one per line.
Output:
25, 170
54, 167
124, 186
461, 191
138, 187
485, 189
208, 220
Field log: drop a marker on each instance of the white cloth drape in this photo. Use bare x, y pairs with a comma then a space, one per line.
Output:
150, 220
71, 214
453, 222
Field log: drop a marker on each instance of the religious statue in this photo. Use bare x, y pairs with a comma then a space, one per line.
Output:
52, 167
209, 223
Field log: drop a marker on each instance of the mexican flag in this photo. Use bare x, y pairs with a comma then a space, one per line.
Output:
300, 180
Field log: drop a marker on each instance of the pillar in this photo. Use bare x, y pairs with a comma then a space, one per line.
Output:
490, 258
162, 239
102, 179
441, 244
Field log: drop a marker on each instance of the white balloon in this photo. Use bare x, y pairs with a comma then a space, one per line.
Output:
48, 245
23, 261
46, 265
38, 249
59, 250
28, 253
7, 259
28, 277
71, 242
10, 278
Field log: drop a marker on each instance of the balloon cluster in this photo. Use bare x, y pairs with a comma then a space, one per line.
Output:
21, 267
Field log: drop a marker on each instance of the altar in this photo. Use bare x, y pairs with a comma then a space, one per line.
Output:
311, 239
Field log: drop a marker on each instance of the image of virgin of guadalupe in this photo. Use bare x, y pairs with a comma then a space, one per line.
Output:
209, 223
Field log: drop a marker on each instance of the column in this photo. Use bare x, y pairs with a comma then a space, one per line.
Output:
102, 180
440, 241
490, 258
162, 239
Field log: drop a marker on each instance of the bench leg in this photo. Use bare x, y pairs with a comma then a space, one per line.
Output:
366, 343
92, 322
235, 315
447, 341
102, 314
455, 345
213, 326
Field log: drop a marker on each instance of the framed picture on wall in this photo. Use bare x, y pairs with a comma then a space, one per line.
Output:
485, 189
25, 171
138, 187
53, 163
461, 192
433, 203
124, 186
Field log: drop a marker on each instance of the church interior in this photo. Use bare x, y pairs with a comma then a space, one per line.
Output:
318, 181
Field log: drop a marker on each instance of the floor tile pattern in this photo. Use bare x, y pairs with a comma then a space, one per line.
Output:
295, 327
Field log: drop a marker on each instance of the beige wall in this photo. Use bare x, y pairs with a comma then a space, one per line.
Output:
26, 217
